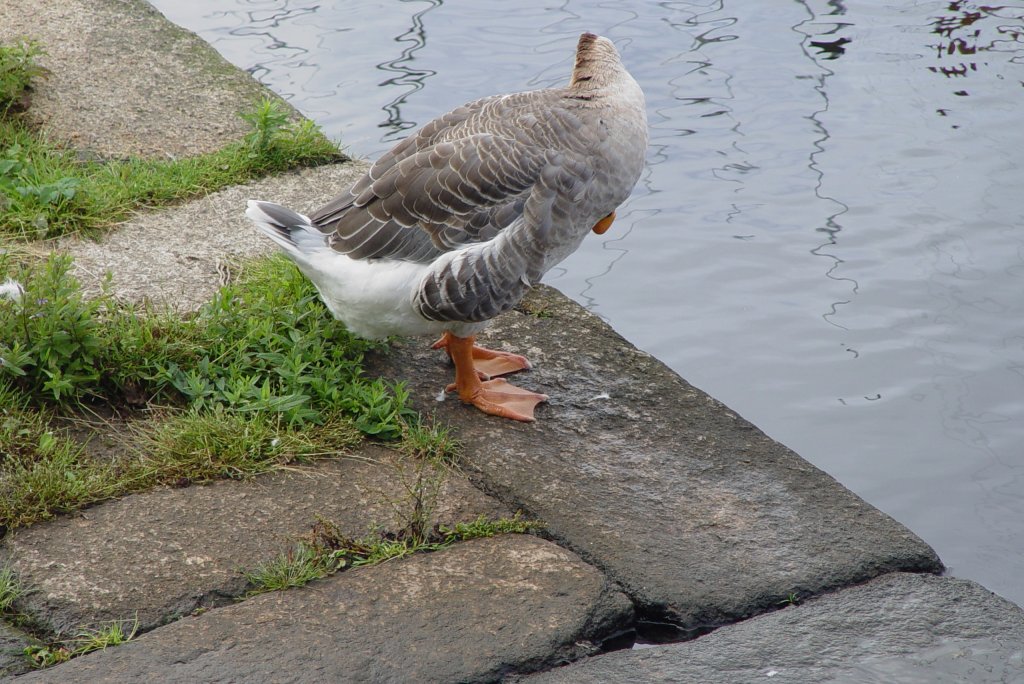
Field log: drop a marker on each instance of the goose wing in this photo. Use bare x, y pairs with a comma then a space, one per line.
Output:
461, 179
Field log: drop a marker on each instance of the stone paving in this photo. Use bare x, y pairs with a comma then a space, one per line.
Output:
664, 508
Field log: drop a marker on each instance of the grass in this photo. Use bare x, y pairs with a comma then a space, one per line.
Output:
42, 472
85, 641
10, 590
326, 550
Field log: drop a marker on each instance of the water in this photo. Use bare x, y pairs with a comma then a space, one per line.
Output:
828, 236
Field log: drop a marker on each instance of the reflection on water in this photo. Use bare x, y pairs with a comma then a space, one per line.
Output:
414, 39
826, 237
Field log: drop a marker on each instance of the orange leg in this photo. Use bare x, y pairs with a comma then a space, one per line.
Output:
604, 224
489, 363
495, 397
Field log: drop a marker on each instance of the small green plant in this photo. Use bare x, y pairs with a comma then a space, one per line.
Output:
50, 338
40, 656
300, 565
10, 589
86, 640
791, 599
267, 119
432, 442
18, 68
112, 634
484, 527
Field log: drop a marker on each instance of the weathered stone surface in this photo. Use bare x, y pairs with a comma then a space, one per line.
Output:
124, 81
179, 256
913, 629
164, 553
473, 612
12, 651
694, 511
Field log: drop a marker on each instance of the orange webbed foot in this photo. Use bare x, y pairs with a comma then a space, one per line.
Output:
493, 397
501, 398
489, 363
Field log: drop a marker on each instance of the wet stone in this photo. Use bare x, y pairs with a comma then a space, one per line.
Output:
162, 554
898, 628
471, 613
700, 516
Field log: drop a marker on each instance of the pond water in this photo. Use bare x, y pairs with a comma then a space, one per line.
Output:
829, 234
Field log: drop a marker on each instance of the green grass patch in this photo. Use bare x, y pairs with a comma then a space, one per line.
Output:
260, 377
42, 472
326, 550
47, 191
197, 445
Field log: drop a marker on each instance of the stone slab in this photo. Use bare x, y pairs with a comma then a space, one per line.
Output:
700, 516
471, 613
123, 80
162, 554
179, 256
911, 629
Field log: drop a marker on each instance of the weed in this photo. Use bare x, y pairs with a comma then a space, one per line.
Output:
113, 634
536, 310
792, 599
435, 443
10, 589
327, 550
264, 344
18, 68
300, 565
50, 340
40, 656
483, 527
85, 641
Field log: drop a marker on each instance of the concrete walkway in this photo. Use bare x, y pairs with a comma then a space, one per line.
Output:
666, 511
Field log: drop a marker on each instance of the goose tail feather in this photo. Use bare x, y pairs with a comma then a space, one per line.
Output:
292, 231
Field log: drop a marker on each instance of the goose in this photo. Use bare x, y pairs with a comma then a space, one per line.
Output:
456, 222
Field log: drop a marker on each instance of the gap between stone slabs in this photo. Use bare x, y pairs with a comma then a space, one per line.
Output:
162, 554
474, 612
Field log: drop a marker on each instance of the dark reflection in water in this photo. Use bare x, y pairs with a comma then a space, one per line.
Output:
969, 29
816, 29
413, 40
827, 236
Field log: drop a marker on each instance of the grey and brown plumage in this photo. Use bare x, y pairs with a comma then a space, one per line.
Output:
454, 224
